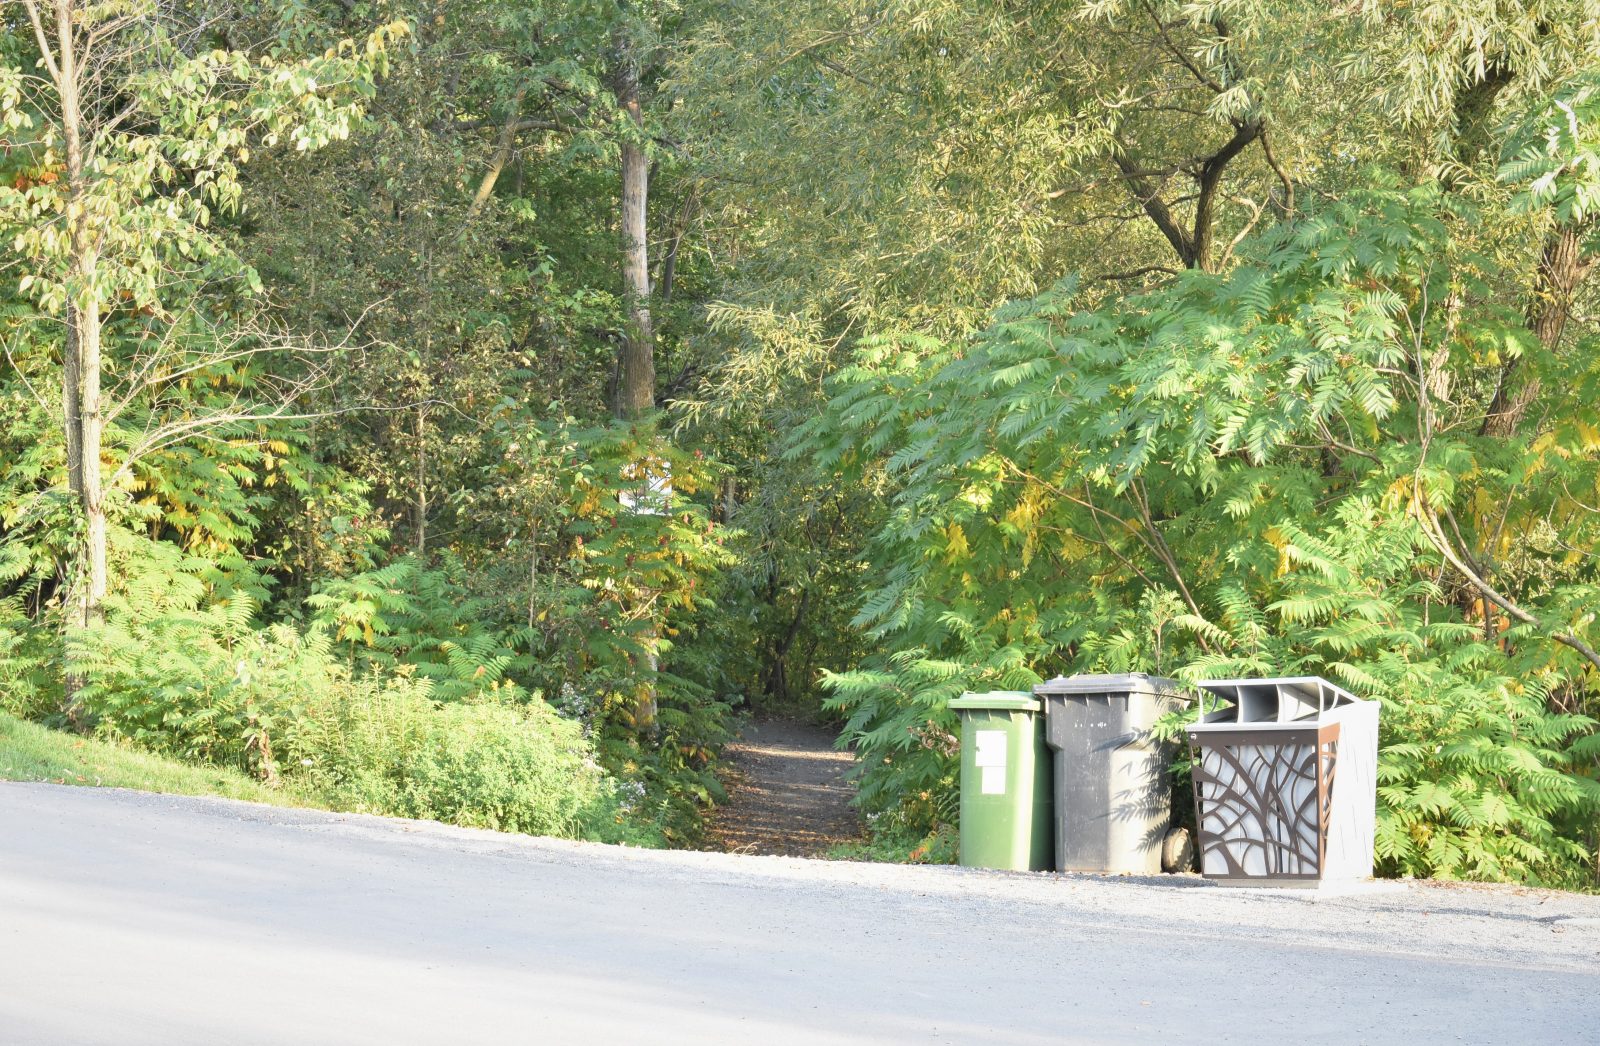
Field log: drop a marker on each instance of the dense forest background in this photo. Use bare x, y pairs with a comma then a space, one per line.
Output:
460, 409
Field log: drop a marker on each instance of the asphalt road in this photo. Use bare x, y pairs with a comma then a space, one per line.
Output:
129, 918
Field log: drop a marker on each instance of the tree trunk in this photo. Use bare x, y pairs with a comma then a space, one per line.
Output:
777, 683
635, 395
420, 507
80, 372
1562, 268
1193, 245
1473, 141
636, 383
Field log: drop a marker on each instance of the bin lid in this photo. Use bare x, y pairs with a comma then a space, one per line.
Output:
998, 701
1120, 683
1284, 700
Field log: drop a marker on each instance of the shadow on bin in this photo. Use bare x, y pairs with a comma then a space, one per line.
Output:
1285, 782
1112, 782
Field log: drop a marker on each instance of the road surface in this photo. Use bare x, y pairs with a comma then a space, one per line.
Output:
129, 918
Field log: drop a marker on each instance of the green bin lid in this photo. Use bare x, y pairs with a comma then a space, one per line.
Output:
999, 701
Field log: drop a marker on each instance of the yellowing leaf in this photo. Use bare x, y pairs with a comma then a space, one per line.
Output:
956, 546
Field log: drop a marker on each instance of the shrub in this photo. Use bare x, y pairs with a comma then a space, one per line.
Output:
200, 684
407, 614
387, 747
204, 684
30, 677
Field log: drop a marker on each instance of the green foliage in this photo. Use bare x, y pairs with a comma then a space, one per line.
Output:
940, 846
405, 614
30, 681
190, 120
360, 300
180, 668
666, 779
1478, 777
386, 746
1555, 155
634, 569
1228, 476
178, 675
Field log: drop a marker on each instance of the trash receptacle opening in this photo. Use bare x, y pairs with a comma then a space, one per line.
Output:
1285, 700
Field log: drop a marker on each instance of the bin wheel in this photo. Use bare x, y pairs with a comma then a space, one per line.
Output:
1177, 851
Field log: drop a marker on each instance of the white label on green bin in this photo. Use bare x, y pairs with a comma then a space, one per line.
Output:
990, 760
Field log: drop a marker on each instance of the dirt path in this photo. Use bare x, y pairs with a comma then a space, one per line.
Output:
787, 793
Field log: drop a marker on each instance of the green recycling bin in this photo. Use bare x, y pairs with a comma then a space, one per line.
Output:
1006, 816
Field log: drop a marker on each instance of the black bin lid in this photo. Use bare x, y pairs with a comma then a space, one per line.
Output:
1120, 683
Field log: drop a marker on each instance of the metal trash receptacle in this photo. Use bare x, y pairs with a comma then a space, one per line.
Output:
1111, 782
1005, 782
1285, 782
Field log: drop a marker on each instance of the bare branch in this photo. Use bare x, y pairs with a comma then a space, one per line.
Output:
1435, 534
1173, 48
45, 53
1150, 199
1277, 168
1136, 273
16, 369
1159, 546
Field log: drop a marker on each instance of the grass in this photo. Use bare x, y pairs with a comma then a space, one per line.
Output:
29, 752
891, 848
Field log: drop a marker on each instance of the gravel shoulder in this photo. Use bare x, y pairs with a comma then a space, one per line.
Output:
131, 918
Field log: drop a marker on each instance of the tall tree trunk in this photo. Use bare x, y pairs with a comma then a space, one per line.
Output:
1562, 267
636, 384
80, 372
636, 364
420, 506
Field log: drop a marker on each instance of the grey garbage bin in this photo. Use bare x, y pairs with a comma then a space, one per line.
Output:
1285, 782
1113, 789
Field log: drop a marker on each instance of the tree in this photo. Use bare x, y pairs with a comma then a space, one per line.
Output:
636, 369
135, 130
1458, 75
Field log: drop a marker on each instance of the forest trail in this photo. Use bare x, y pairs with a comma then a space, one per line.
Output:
787, 793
